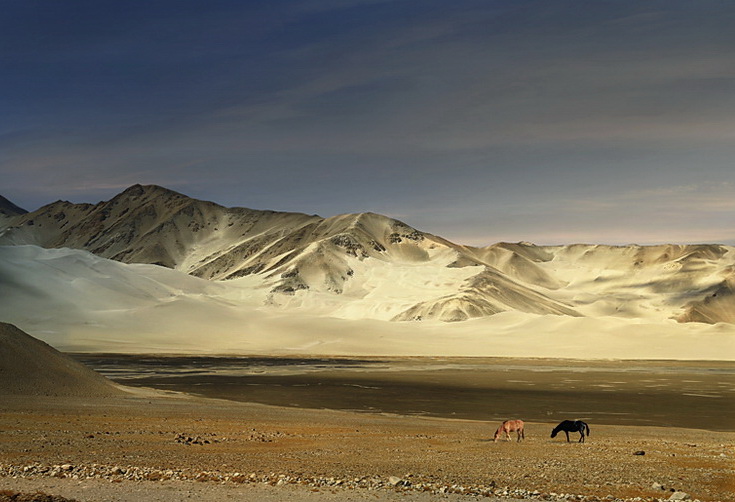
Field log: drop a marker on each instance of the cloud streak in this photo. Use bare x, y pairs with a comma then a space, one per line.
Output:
456, 115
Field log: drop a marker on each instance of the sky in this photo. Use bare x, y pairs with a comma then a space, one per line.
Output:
547, 121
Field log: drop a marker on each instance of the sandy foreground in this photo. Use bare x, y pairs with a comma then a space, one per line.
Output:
153, 447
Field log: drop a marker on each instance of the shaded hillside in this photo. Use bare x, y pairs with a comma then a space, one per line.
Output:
31, 367
8, 209
717, 306
487, 293
151, 224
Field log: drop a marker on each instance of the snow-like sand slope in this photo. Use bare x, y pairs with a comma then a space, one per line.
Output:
75, 300
251, 281
368, 266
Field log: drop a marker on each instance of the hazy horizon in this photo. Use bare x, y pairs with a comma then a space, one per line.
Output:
480, 244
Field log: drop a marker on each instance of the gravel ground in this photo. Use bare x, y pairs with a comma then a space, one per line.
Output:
96, 490
148, 447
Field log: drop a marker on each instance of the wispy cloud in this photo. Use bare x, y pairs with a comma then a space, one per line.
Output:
504, 119
714, 197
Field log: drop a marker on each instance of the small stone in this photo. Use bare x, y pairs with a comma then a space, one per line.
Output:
395, 481
639, 452
658, 486
679, 496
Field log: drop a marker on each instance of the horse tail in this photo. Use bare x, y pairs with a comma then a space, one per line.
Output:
587, 427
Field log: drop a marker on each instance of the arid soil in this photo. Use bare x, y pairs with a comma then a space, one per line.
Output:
175, 447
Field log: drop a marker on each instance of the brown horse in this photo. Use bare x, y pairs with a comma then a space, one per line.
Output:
510, 426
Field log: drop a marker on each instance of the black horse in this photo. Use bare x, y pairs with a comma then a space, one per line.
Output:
572, 426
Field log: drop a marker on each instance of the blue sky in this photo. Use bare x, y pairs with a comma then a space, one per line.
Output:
481, 121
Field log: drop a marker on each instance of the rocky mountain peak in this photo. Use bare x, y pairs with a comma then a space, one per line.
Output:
9, 209
138, 191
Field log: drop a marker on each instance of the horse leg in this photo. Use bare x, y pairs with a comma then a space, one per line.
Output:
581, 437
507, 435
567, 433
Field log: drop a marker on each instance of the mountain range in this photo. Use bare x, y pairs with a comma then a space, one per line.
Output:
371, 267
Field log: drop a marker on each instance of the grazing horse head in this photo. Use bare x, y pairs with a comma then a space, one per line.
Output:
497, 434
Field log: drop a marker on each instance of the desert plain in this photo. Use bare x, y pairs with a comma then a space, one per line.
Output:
142, 443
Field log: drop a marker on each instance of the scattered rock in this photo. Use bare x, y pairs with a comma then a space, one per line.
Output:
189, 440
639, 452
417, 482
679, 496
396, 481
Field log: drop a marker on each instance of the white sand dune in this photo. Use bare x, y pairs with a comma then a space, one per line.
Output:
152, 269
75, 300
